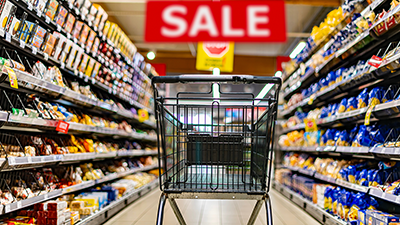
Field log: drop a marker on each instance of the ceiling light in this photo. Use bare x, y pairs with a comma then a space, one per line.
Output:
300, 46
151, 55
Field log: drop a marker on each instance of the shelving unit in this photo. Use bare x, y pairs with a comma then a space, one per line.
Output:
361, 48
116, 100
319, 214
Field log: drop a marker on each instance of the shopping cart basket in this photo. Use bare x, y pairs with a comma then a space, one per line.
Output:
214, 144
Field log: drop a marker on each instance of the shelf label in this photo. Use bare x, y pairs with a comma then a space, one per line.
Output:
62, 65
46, 56
68, 35
7, 208
70, 5
62, 127
86, 79
29, 159
76, 72
1, 32
58, 28
22, 43
80, 74
30, 6
93, 80
46, 196
39, 13
12, 77
34, 50
47, 19
75, 40
19, 204
8, 37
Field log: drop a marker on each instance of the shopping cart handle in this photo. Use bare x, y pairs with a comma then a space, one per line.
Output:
217, 78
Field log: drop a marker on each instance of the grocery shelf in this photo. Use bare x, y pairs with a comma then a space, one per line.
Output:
335, 61
319, 214
342, 183
44, 196
107, 212
14, 163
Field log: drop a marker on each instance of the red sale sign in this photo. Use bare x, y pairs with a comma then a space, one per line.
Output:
194, 21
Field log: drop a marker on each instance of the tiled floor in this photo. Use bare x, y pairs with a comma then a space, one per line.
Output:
211, 212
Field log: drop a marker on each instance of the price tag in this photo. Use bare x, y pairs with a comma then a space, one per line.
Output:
46, 196
58, 28
110, 90
375, 61
62, 127
368, 115
34, 50
86, 79
8, 37
19, 204
62, 65
76, 11
114, 92
22, 43
68, 35
39, 13
70, 5
94, 54
90, 23
29, 159
80, 74
76, 72
75, 40
47, 19
95, 29
93, 80
104, 38
42, 159
7, 208
30, 6
87, 49
12, 77
46, 56
1, 32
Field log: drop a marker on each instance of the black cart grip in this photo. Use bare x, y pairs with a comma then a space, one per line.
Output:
248, 79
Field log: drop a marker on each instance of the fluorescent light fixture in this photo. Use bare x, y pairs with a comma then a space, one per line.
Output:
278, 74
300, 46
151, 55
216, 95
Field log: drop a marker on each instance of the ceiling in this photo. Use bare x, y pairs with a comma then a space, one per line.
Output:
300, 16
130, 15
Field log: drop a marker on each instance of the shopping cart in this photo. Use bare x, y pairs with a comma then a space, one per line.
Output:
214, 144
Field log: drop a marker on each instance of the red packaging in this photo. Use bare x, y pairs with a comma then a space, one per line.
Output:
23, 213
31, 213
41, 220
40, 206
56, 205
42, 214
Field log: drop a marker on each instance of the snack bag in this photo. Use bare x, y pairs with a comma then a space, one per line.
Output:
342, 106
343, 139
362, 99
351, 104
375, 96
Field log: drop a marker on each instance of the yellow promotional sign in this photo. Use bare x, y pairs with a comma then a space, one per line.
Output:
212, 55
12, 77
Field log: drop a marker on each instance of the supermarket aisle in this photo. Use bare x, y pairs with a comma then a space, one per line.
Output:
211, 212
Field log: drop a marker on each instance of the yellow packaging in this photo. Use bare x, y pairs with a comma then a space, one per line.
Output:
89, 202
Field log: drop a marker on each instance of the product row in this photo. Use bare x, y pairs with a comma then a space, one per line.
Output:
23, 145
359, 21
383, 175
71, 208
80, 59
354, 208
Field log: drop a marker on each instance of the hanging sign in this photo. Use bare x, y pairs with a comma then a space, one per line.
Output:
195, 21
212, 55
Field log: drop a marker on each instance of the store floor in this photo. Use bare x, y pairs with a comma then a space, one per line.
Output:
211, 212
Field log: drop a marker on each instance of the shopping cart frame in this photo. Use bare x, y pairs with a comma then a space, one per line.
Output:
175, 187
